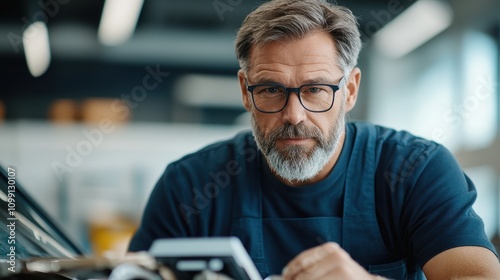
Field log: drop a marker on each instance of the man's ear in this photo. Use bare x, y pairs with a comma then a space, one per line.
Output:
353, 82
244, 92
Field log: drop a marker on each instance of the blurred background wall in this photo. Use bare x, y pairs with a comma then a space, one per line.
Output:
97, 97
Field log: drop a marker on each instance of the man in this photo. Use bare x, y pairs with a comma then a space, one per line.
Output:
309, 195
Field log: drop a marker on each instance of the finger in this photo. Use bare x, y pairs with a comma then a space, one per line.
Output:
210, 275
338, 265
310, 258
324, 268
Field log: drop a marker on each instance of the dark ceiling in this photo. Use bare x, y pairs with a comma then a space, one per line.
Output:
182, 36
194, 14
164, 26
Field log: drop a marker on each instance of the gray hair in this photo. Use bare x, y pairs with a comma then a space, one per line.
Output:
279, 20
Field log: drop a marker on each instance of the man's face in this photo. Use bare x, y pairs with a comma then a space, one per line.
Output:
297, 143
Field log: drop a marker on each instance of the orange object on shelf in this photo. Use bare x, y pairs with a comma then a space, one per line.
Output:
111, 236
95, 110
63, 111
2, 111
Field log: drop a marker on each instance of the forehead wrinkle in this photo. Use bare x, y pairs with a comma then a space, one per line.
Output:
256, 64
324, 75
308, 59
287, 68
267, 74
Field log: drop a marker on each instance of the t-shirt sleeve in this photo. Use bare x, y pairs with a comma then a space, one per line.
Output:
438, 213
161, 218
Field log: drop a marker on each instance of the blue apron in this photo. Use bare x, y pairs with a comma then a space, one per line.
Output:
357, 231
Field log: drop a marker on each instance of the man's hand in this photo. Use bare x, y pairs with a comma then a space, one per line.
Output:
210, 275
327, 261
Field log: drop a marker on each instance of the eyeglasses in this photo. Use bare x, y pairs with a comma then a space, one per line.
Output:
272, 98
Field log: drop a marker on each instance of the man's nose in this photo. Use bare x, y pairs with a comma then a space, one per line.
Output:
294, 112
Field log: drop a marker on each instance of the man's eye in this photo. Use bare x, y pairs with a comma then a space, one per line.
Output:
272, 90
269, 90
314, 90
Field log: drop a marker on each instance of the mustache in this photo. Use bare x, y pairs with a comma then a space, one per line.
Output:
296, 131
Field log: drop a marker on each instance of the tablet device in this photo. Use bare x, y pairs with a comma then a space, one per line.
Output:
190, 256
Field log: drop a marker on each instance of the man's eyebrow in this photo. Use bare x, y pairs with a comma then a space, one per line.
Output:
319, 80
266, 81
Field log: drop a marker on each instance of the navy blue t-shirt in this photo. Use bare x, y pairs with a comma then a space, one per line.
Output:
423, 199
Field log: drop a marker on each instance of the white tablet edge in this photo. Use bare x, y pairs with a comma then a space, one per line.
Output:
206, 247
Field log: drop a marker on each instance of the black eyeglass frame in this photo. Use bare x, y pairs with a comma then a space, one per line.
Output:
288, 90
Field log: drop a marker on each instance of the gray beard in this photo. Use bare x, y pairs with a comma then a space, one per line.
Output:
295, 163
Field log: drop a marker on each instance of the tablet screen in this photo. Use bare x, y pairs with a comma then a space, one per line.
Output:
190, 256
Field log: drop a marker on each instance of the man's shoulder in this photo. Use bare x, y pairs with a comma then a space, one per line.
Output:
389, 137
221, 151
399, 151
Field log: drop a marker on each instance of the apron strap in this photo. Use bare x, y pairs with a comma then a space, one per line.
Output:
360, 231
